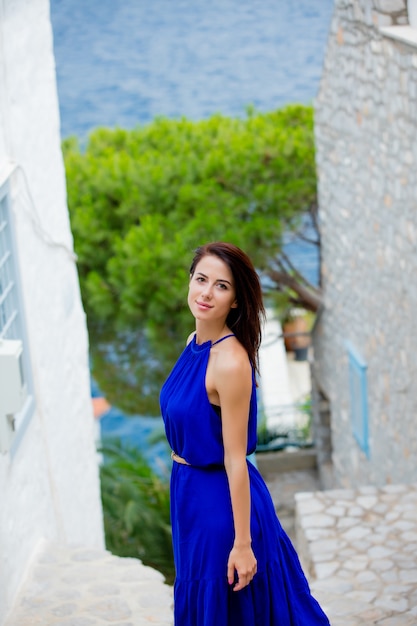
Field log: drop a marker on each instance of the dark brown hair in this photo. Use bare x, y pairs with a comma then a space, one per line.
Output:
246, 320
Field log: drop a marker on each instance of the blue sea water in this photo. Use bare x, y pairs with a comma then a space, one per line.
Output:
139, 432
123, 62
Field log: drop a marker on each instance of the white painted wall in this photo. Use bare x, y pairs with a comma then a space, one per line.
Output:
275, 387
49, 488
283, 381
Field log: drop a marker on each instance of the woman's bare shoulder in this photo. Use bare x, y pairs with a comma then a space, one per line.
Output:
190, 337
232, 359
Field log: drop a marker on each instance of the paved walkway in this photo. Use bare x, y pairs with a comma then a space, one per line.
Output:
360, 546
81, 587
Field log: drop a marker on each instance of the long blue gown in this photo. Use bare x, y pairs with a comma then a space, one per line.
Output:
202, 519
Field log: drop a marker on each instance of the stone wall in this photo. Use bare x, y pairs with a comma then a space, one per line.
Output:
366, 129
49, 485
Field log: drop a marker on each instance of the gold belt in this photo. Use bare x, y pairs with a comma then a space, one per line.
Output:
178, 459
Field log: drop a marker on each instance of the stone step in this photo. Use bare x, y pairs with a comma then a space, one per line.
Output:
75, 586
284, 461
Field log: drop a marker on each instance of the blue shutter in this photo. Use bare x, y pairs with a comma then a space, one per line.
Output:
358, 398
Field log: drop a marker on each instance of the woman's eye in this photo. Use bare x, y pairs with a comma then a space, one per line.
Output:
222, 286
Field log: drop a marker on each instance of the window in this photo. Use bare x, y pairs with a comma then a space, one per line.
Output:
9, 316
358, 398
12, 325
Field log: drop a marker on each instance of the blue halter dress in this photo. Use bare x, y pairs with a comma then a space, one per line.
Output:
202, 518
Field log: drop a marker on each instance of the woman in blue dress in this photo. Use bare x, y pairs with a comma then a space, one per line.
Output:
235, 565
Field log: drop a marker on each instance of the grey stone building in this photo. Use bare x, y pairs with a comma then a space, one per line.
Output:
365, 338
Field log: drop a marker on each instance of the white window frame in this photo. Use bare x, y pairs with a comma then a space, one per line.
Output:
14, 300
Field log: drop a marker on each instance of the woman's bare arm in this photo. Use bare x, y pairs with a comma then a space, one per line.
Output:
233, 379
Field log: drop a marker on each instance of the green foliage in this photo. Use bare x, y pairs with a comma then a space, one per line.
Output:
142, 200
136, 509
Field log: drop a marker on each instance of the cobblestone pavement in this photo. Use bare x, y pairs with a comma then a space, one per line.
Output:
84, 587
360, 549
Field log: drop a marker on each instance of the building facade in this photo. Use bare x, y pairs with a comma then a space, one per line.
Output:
49, 482
365, 338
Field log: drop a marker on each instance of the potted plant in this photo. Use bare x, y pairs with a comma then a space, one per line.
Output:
296, 333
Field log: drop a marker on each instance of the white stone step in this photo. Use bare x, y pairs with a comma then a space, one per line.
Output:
75, 586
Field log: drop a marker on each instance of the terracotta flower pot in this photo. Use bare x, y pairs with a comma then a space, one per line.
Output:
293, 326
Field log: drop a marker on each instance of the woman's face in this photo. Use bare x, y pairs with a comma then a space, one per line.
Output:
211, 292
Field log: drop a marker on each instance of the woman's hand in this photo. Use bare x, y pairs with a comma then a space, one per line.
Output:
243, 561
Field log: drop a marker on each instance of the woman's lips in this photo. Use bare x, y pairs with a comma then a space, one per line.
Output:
203, 305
